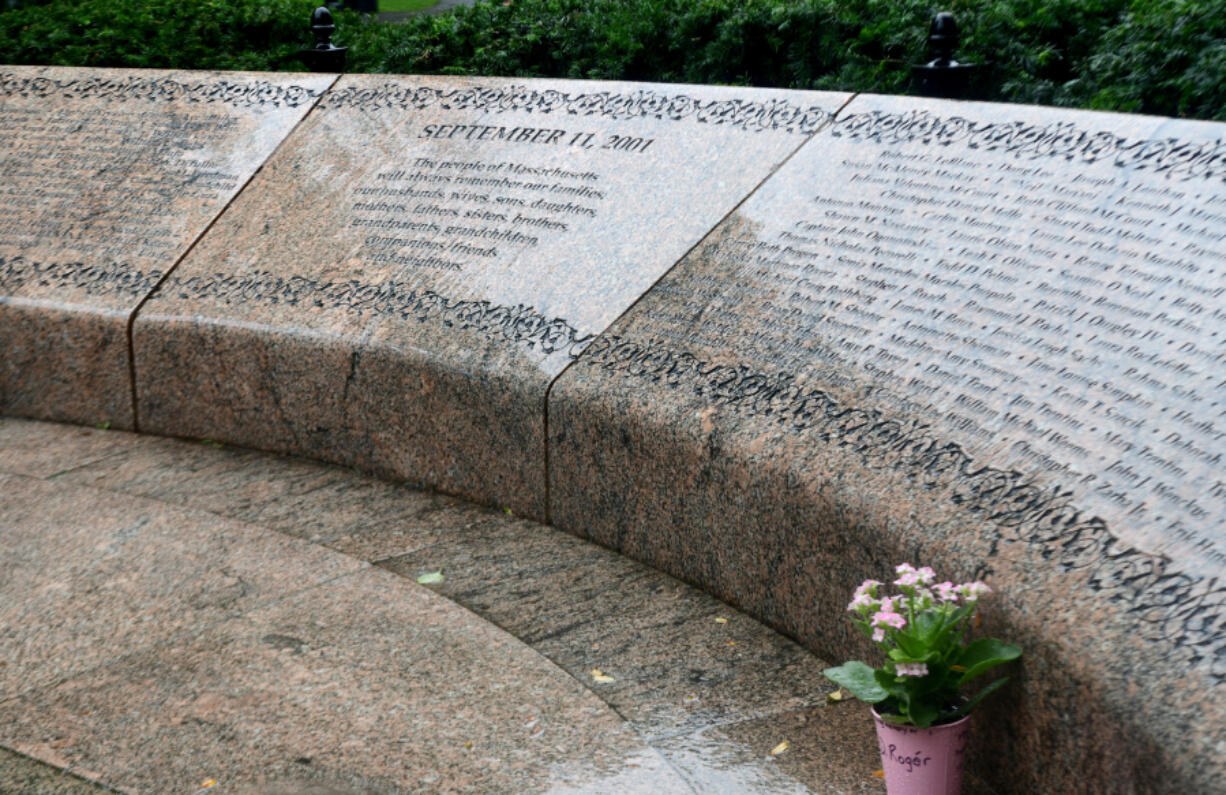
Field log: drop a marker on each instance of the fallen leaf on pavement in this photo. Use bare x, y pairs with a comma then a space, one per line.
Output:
599, 676
433, 578
780, 748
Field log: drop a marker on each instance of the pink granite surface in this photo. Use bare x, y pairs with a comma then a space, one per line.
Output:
679, 660
344, 510
355, 680
100, 575
107, 177
400, 285
45, 449
857, 369
370, 683
21, 773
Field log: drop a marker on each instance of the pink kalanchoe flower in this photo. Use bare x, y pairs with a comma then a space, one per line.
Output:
868, 588
972, 591
911, 669
909, 575
878, 634
946, 591
862, 601
889, 619
865, 596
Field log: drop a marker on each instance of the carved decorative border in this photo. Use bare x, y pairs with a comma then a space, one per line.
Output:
1187, 612
104, 279
519, 324
753, 115
136, 88
1170, 157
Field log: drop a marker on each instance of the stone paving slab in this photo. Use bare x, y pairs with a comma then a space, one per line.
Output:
675, 666
44, 449
342, 669
369, 683
99, 575
358, 515
21, 774
820, 742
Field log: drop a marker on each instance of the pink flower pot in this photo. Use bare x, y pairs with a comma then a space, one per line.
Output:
923, 761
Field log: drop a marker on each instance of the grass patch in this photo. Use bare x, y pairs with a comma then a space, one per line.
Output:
406, 5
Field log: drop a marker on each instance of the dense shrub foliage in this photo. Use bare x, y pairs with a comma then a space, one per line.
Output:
1153, 56
183, 34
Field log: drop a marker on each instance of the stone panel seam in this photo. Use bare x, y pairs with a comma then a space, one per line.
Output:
64, 771
830, 119
131, 325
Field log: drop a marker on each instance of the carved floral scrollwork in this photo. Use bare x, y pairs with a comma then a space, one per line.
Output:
1019, 509
136, 88
751, 115
1061, 140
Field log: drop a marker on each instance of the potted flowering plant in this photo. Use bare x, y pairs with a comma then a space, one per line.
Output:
916, 694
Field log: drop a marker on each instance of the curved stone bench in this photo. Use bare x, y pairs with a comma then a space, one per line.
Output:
770, 342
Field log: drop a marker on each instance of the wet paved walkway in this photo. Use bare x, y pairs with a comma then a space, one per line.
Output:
178, 616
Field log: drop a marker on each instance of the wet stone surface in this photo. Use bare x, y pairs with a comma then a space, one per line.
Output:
20, 773
401, 283
356, 680
984, 338
369, 682
88, 576
352, 513
676, 658
107, 177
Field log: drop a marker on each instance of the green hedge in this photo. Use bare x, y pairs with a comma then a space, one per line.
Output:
181, 34
1154, 56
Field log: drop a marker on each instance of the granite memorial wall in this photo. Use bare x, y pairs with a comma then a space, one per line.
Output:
947, 332
400, 285
106, 179
772, 342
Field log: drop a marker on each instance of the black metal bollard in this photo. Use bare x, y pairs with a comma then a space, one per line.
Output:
943, 77
324, 56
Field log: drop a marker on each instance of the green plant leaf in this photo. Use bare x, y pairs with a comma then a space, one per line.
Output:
974, 700
433, 578
858, 679
984, 654
928, 625
922, 713
890, 684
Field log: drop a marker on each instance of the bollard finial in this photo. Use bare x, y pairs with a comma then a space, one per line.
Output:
323, 26
943, 39
943, 76
324, 56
